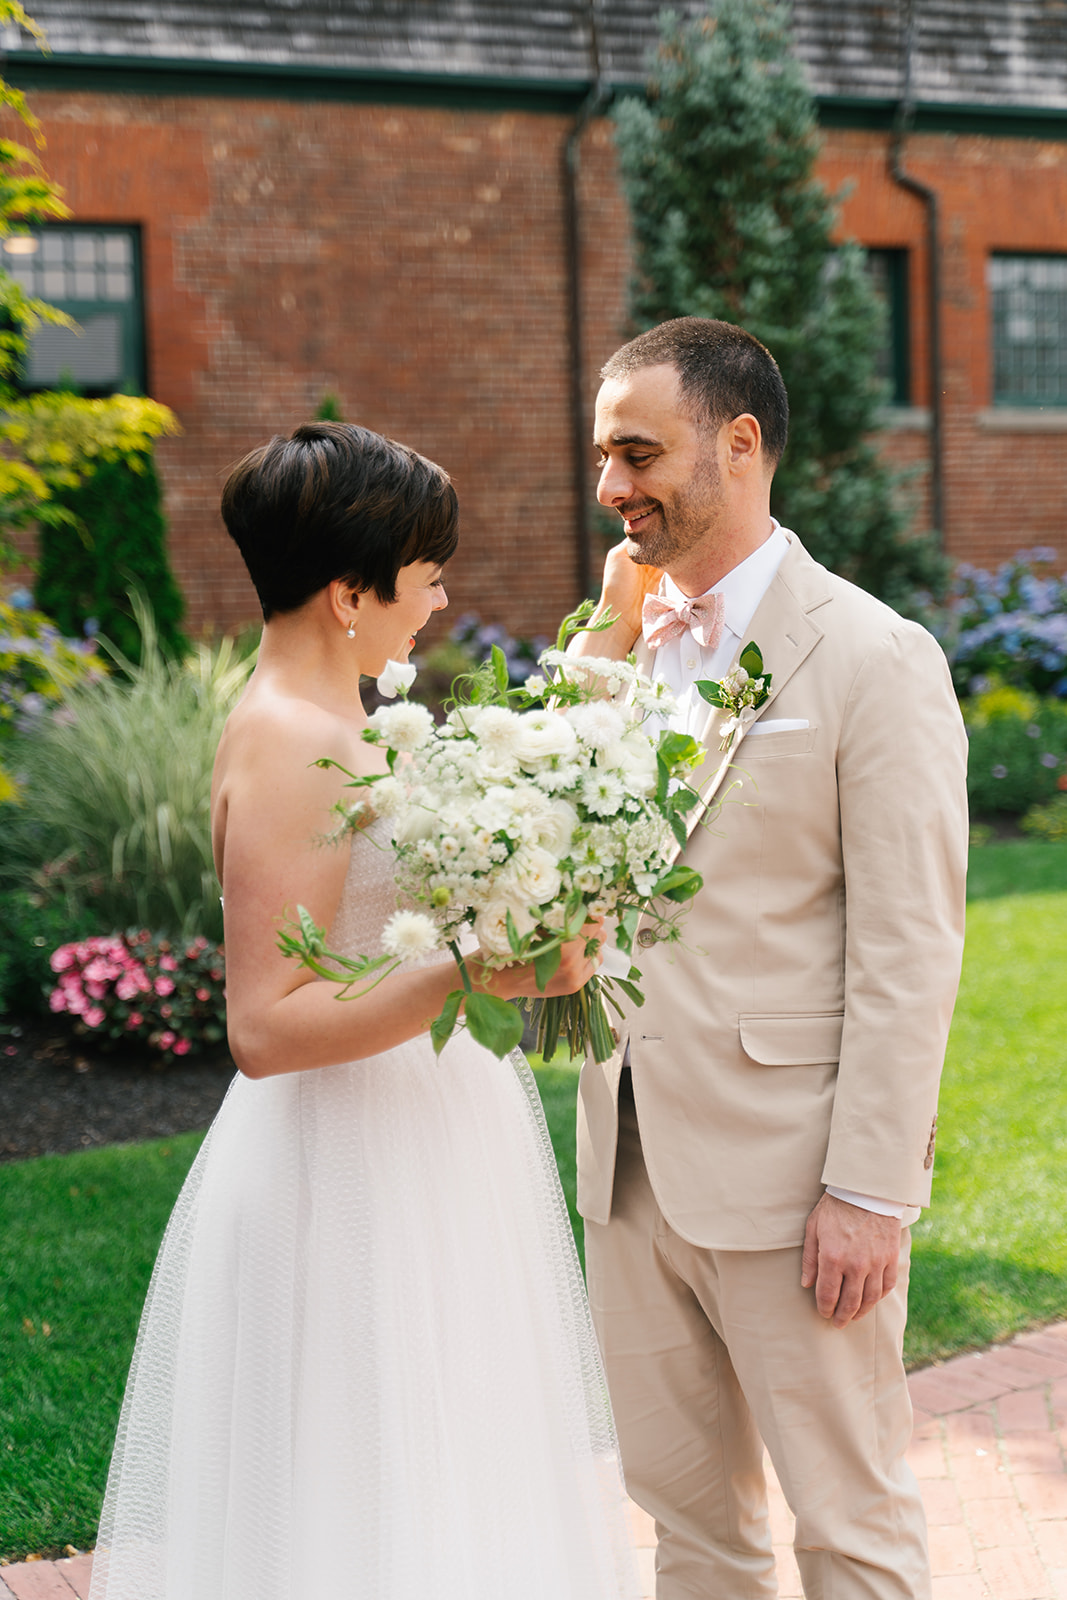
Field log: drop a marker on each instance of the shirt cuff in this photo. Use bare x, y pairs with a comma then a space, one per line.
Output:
868, 1202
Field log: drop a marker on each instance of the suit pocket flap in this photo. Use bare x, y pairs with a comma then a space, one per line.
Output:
801, 1040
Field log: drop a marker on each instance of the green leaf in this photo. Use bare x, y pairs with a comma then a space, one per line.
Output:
513, 933
676, 823
676, 747
500, 669
546, 965
629, 989
663, 780
709, 691
683, 800
627, 928
494, 1023
314, 936
751, 659
441, 1028
678, 883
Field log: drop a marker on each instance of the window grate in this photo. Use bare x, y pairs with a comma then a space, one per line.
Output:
93, 273
1029, 303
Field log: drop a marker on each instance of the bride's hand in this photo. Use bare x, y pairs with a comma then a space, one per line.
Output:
576, 967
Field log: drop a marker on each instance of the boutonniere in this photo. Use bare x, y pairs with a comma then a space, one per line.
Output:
741, 692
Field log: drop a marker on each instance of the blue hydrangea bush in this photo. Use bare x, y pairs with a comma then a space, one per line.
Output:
1008, 626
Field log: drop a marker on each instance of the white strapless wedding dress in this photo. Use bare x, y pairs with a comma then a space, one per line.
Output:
365, 1369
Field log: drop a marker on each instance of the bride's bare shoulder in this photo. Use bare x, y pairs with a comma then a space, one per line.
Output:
268, 722
269, 749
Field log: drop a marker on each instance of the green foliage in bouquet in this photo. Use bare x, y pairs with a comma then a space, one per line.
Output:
717, 161
529, 814
114, 818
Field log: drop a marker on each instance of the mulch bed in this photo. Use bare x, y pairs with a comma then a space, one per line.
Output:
58, 1094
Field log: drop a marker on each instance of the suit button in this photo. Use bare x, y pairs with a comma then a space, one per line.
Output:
646, 937
928, 1163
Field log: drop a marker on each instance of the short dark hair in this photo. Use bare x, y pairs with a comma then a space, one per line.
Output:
336, 501
723, 371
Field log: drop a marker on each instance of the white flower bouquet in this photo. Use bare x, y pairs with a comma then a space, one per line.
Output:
525, 815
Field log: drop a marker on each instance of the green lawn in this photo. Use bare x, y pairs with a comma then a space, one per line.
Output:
78, 1233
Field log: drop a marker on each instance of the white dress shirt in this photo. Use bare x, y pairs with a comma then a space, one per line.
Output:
683, 659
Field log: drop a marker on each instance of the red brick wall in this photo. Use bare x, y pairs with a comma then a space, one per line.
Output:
413, 262
1003, 491
410, 261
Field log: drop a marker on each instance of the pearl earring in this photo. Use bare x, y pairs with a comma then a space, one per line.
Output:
351, 634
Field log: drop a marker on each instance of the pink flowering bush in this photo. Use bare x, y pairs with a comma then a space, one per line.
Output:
168, 993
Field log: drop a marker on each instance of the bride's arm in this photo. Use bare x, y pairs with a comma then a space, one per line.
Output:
276, 809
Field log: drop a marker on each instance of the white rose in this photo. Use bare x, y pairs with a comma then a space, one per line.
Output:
634, 758
544, 736
534, 875
555, 828
491, 924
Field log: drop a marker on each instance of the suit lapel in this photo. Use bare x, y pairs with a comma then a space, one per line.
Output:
786, 634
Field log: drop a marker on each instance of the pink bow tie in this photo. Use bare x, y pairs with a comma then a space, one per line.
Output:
665, 619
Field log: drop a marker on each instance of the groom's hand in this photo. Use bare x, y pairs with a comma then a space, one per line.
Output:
850, 1256
623, 594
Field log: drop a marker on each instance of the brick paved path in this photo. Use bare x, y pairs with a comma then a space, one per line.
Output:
988, 1449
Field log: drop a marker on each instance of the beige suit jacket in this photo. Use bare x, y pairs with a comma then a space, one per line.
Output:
795, 1037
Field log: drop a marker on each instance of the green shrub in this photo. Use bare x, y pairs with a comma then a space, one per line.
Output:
30, 929
114, 819
1018, 749
1049, 821
86, 567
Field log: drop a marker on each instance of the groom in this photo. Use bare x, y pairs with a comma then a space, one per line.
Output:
750, 1159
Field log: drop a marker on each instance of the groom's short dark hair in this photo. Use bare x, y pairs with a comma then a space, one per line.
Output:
336, 501
724, 371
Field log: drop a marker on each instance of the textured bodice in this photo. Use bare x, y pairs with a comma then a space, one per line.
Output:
369, 895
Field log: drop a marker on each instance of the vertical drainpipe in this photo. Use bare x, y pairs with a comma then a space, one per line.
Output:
902, 125
579, 421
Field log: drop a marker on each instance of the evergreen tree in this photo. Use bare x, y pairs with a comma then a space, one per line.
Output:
114, 542
729, 221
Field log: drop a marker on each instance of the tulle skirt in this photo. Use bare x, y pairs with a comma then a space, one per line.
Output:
365, 1369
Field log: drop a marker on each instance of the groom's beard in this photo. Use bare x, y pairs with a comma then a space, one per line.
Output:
678, 523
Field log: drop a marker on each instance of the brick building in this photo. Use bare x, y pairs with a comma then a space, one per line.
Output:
414, 207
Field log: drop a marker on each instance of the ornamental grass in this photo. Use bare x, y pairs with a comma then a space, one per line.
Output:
115, 792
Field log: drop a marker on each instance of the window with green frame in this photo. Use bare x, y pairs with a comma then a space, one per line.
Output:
889, 274
94, 274
1028, 298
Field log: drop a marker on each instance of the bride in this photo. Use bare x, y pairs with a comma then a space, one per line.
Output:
365, 1369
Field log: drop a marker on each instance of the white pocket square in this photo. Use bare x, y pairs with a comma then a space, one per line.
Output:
779, 725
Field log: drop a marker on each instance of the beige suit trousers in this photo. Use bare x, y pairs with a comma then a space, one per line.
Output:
710, 1353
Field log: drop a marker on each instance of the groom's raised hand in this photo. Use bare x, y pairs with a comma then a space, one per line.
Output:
623, 594
850, 1257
